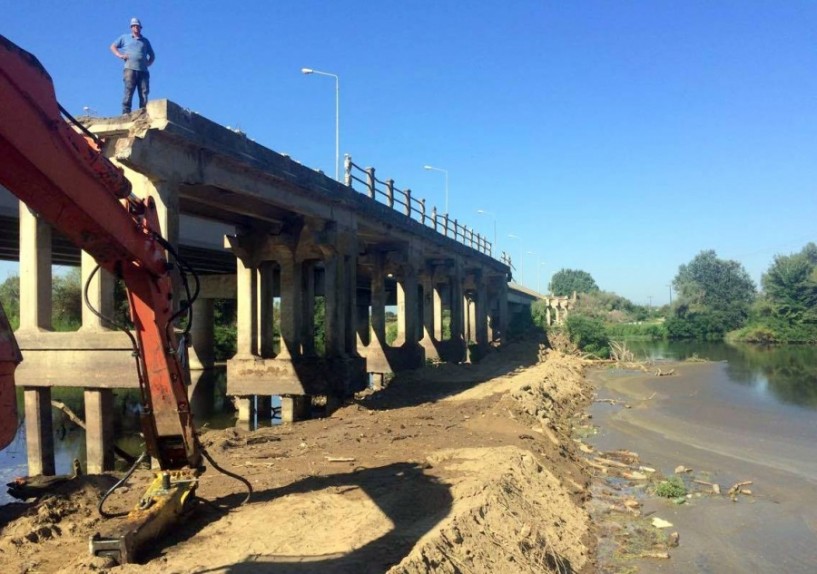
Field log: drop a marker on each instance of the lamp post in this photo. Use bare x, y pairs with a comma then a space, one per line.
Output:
521, 258
308, 71
493, 215
445, 171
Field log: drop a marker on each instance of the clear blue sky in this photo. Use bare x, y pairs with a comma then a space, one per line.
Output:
620, 138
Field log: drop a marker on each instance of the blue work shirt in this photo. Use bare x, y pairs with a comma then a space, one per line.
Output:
138, 50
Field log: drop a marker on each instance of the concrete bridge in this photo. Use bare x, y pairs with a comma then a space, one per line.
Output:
277, 236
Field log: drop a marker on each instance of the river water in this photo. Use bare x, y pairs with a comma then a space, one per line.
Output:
208, 400
749, 414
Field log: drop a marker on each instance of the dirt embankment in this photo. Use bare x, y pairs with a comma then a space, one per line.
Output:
467, 468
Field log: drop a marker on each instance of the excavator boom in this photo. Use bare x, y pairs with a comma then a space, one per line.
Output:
63, 177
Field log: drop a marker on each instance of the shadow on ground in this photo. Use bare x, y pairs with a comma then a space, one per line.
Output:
414, 502
434, 383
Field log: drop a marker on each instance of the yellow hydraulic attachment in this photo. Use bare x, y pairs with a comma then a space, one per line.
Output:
169, 496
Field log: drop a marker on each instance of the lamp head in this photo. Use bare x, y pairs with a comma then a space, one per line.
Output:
307, 70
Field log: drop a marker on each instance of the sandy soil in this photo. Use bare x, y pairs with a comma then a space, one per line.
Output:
467, 468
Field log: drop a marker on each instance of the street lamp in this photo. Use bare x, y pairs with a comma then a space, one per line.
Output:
493, 215
445, 171
521, 258
308, 71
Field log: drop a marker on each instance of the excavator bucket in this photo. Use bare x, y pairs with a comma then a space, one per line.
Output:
10, 357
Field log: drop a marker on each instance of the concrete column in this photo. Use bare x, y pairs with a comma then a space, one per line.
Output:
470, 322
100, 294
39, 431
437, 297
548, 319
457, 308
504, 319
99, 437
334, 324
294, 408
246, 409
265, 293
166, 195
246, 305
308, 308
350, 291
379, 302
430, 300
428, 306
362, 320
35, 272
410, 305
291, 308
481, 313
401, 314
202, 353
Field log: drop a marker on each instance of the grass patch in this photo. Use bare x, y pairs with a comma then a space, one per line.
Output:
673, 487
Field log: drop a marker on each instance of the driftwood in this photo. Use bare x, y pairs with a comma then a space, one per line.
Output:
81, 424
737, 488
613, 402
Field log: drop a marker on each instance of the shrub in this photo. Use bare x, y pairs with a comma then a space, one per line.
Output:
589, 335
673, 487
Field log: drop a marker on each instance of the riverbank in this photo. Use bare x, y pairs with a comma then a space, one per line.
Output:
699, 426
450, 468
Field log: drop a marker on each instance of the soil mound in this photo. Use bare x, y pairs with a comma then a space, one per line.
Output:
510, 515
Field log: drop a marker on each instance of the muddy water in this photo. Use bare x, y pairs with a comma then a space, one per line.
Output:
208, 399
727, 431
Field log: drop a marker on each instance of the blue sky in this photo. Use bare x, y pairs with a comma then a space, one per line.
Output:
620, 138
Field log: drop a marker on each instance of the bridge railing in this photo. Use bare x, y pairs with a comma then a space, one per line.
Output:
402, 200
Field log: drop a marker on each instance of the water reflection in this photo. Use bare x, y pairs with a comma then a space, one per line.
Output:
208, 399
784, 373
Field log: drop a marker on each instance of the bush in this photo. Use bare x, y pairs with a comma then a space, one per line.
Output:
759, 335
648, 331
673, 487
589, 335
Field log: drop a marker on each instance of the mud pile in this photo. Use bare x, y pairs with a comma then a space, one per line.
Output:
510, 515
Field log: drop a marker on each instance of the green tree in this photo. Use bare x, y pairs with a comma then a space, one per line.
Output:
66, 298
787, 310
714, 297
790, 285
567, 281
605, 305
10, 299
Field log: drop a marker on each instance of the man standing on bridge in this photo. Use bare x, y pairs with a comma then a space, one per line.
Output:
138, 54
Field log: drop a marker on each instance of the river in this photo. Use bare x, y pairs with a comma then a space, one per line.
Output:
208, 401
748, 414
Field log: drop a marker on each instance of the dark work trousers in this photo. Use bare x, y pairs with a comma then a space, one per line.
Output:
134, 79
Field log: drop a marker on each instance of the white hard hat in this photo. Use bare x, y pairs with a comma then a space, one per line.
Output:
135, 22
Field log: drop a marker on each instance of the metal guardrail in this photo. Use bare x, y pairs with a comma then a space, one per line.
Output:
402, 200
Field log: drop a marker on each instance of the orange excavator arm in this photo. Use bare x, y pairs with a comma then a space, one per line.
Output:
63, 177
10, 357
